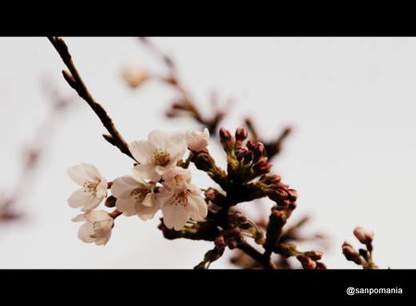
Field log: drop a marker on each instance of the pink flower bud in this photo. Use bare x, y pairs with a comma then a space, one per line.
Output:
196, 140
363, 235
134, 76
263, 165
243, 153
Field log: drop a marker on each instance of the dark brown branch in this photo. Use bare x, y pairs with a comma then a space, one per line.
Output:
74, 79
256, 255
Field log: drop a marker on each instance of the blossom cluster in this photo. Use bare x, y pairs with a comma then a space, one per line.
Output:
157, 182
160, 180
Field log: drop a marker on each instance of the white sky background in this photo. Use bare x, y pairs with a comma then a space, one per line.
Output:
351, 157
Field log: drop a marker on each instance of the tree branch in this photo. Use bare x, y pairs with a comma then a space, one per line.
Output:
74, 80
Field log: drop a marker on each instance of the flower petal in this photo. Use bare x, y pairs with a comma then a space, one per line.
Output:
77, 174
92, 172
79, 218
123, 186
97, 216
148, 200
84, 173
80, 198
85, 233
159, 139
177, 146
199, 207
127, 206
101, 191
103, 240
147, 171
146, 213
92, 203
175, 216
142, 151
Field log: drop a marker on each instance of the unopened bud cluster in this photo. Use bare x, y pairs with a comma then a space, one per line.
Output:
362, 257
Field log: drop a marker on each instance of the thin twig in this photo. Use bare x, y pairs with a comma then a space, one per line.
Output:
74, 80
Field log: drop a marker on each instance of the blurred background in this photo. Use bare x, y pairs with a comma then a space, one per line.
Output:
351, 102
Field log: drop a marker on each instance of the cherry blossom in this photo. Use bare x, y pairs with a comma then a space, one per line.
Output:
93, 187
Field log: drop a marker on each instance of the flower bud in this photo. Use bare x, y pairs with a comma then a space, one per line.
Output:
196, 140
259, 150
273, 179
363, 235
320, 266
263, 165
241, 134
315, 255
307, 262
215, 197
134, 76
203, 161
350, 253
227, 140
251, 144
244, 154
110, 201
293, 195
225, 135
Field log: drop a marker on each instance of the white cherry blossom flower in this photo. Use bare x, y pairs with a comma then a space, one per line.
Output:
134, 196
93, 187
97, 227
158, 153
196, 140
180, 200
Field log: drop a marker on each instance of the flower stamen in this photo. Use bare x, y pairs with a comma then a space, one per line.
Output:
161, 158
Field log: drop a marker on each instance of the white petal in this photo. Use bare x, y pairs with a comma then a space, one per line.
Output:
146, 213
176, 177
92, 203
77, 174
138, 176
80, 198
92, 172
101, 191
84, 173
127, 206
79, 218
197, 141
177, 147
85, 232
102, 228
160, 170
147, 171
163, 196
142, 151
148, 200
159, 139
123, 186
175, 216
97, 216
103, 240
199, 207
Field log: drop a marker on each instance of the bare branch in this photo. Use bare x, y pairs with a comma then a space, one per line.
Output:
74, 80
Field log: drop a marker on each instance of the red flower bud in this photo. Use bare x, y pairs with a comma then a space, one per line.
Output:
241, 134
